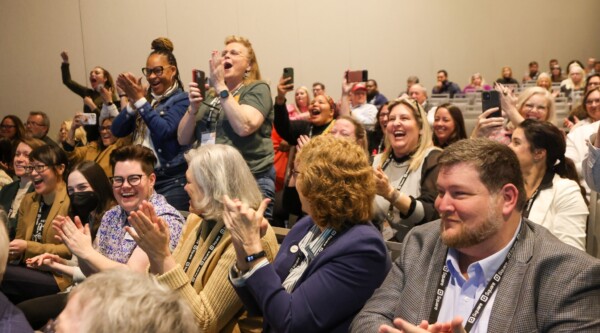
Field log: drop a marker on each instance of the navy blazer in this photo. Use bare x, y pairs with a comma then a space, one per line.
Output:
162, 121
332, 290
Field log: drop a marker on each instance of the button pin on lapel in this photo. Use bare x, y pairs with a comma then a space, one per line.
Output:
294, 248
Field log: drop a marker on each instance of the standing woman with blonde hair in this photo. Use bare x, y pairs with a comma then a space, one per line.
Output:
239, 113
153, 116
406, 171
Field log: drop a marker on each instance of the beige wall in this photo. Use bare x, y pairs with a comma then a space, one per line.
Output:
320, 39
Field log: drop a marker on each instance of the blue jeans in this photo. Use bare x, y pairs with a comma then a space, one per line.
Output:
266, 184
170, 184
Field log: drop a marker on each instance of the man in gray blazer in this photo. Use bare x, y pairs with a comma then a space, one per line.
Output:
482, 265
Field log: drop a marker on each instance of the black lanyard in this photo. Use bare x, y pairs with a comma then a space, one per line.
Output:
213, 106
529, 203
483, 299
301, 256
39, 224
210, 250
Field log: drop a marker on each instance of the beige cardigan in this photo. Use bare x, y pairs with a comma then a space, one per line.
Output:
214, 302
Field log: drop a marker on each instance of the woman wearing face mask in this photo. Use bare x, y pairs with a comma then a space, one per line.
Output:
240, 114
406, 172
320, 121
34, 234
91, 196
12, 194
98, 151
152, 118
100, 81
554, 197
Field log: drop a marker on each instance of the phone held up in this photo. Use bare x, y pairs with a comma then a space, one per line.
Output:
88, 119
200, 78
289, 72
357, 76
491, 99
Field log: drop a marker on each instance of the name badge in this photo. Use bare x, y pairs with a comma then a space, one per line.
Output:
208, 138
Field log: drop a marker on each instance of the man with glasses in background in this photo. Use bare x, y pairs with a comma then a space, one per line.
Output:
38, 125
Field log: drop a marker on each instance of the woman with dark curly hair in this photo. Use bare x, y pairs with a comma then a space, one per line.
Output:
330, 262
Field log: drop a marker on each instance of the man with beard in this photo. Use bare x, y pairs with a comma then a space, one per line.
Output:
483, 267
374, 96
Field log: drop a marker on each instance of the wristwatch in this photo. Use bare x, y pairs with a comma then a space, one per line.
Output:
224, 93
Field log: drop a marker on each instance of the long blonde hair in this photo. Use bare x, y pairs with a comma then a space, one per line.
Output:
425, 142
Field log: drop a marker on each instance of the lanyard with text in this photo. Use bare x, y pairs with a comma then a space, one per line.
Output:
211, 248
390, 213
39, 224
529, 203
301, 256
483, 299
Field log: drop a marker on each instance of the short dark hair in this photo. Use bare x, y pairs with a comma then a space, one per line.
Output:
45, 119
319, 84
139, 153
443, 71
52, 156
496, 163
533, 63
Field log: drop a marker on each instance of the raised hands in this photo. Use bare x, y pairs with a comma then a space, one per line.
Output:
74, 235
150, 232
282, 88
382, 183
302, 140
485, 126
246, 227
131, 86
65, 57
217, 71
195, 97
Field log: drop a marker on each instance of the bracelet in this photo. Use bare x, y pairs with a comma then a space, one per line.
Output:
189, 110
395, 196
255, 256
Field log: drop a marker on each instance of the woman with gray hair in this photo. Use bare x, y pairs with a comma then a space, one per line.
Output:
198, 268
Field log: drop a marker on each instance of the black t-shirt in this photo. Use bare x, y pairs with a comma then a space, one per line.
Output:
40, 221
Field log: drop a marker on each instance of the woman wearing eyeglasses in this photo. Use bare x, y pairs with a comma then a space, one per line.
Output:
240, 114
101, 82
34, 233
533, 103
98, 151
12, 128
152, 117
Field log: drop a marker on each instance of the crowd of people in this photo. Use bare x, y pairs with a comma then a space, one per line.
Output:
156, 208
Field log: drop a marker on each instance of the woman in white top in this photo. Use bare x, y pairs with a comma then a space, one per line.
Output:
554, 198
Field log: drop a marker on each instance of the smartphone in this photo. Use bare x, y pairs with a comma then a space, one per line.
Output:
491, 99
357, 76
200, 78
88, 119
289, 72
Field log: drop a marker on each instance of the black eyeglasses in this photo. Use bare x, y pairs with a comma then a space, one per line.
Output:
7, 126
156, 70
31, 123
39, 168
104, 128
133, 180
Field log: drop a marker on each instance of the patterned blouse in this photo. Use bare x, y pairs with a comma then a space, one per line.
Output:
116, 244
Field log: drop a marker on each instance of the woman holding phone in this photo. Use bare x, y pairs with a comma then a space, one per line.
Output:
533, 103
100, 82
239, 113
